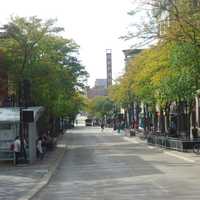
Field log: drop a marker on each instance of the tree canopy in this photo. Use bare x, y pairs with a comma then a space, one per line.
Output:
35, 50
168, 70
100, 106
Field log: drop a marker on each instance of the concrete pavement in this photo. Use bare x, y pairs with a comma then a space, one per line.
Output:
103, 166
106, 166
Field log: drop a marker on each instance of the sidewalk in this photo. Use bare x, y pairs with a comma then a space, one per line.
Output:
188, 157
23, 182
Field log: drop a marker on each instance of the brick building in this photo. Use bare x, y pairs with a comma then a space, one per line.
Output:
100, 89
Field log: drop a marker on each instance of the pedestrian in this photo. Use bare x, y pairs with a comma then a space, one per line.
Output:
40, 151
173, 129
44, 143
102, 126
133, 124
17, 149
114, 125
118, 126
122, 124
195, 132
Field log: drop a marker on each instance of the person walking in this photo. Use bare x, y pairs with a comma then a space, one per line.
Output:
118, 126
44, 143
102, 126
195, 132
17, 149
39, 148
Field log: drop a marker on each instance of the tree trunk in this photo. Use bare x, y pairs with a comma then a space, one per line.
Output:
167, 116
162, 122
137, 113
179, 113
155, 122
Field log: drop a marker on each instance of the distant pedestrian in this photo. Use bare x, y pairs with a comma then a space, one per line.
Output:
118, 126
195, 132
44, 143
40, 151
17, 149
122, 124
102, 126
133, 124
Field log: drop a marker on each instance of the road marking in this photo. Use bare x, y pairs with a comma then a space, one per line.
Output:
180, 157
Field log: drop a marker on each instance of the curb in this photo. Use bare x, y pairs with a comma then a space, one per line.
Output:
45, 180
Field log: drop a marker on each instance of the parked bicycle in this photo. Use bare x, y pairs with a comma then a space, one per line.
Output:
196, 148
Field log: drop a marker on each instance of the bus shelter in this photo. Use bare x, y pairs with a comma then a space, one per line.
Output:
10, 128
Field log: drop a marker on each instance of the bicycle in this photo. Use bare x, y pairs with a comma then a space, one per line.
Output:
196, 148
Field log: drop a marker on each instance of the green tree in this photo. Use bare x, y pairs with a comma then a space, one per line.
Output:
33, 50
100, 107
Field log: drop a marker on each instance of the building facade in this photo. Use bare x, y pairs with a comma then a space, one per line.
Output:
96, 91
130, 54
101, 83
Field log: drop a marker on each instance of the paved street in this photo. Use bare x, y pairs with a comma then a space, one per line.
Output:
106, 166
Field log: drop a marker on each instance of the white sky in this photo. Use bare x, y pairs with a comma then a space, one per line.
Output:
95, 25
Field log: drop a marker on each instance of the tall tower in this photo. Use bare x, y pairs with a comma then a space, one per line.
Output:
109, 66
